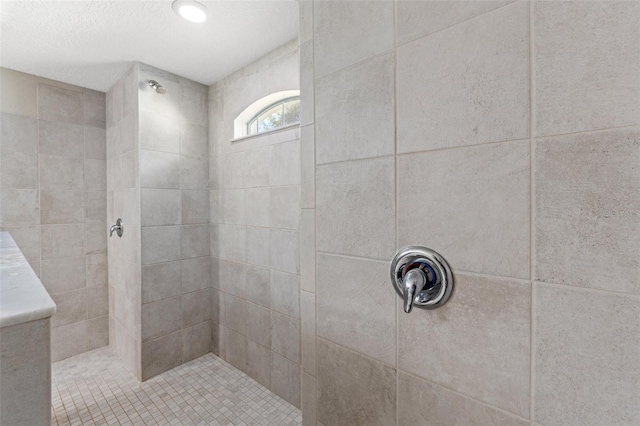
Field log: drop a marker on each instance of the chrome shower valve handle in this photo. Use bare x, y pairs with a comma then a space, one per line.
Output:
118, 227
421, 277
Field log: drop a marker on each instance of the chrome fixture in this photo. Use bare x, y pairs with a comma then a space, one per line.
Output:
117, 227
159, 88
421, 277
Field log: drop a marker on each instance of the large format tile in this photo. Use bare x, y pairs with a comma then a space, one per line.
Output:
284, 164
160, 244
159, 170
57, 104
421, 403
196, 307
347, 32
94, 104
18, 170
474, 209
308, 250
68, 340
307, 168
481, 334
62, 241
195, 241
355, 211
258, 163
355, 112
195, 207
161, 354
194, 173
284, 207
18, 134
259, 363
230, 242
257, 206
62, 139
587, 227
258, 285
285, 379
357, 305
193, 141
417, 18
195, 274
160, 281
309, 400
284, 248
285, 293
236, 349
234, 207
71, 306
159, 133
353, 389
587, 357
161, 317
61, 275
259, 324
234, 315
95, 143
196, 341
19, 207
308, 332
160, 207
258, 246
307, 101
61, 173
230, 277
587, 65
61, 206
466, 85
285, 336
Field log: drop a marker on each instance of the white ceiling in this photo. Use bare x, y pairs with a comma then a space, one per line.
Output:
91, 43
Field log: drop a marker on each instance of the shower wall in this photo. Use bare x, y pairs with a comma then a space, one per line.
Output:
174, 195
53, 199
123, 201
255, 185
503, 135
160, 270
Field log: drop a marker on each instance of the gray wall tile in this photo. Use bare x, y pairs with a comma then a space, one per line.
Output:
586, 231
353, 389
487, 322
355, 211
348, 32
585, 340
356, 304
601, 37
478, 202
424, 403
481, 68
355, 112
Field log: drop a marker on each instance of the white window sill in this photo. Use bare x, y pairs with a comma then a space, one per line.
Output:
257, 135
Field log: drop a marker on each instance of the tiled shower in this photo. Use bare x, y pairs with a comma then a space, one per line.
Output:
502, 134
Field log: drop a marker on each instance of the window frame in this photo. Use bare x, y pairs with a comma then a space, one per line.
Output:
256, 117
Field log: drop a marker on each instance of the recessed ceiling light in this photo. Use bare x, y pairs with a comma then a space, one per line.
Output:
190, 10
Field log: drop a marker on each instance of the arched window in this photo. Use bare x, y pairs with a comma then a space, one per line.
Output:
274, 111
282, 113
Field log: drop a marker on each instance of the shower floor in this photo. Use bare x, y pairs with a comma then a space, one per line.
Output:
95, 388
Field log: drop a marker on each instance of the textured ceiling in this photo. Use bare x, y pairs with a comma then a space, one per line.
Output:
91, 43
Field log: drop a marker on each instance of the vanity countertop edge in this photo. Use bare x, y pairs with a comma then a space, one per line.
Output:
23, 298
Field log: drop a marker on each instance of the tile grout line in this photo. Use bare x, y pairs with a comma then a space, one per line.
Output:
532, 329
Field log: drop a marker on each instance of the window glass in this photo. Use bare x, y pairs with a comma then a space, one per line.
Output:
292, 112
280, 114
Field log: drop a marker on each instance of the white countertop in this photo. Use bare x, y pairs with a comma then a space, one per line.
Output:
23, 298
